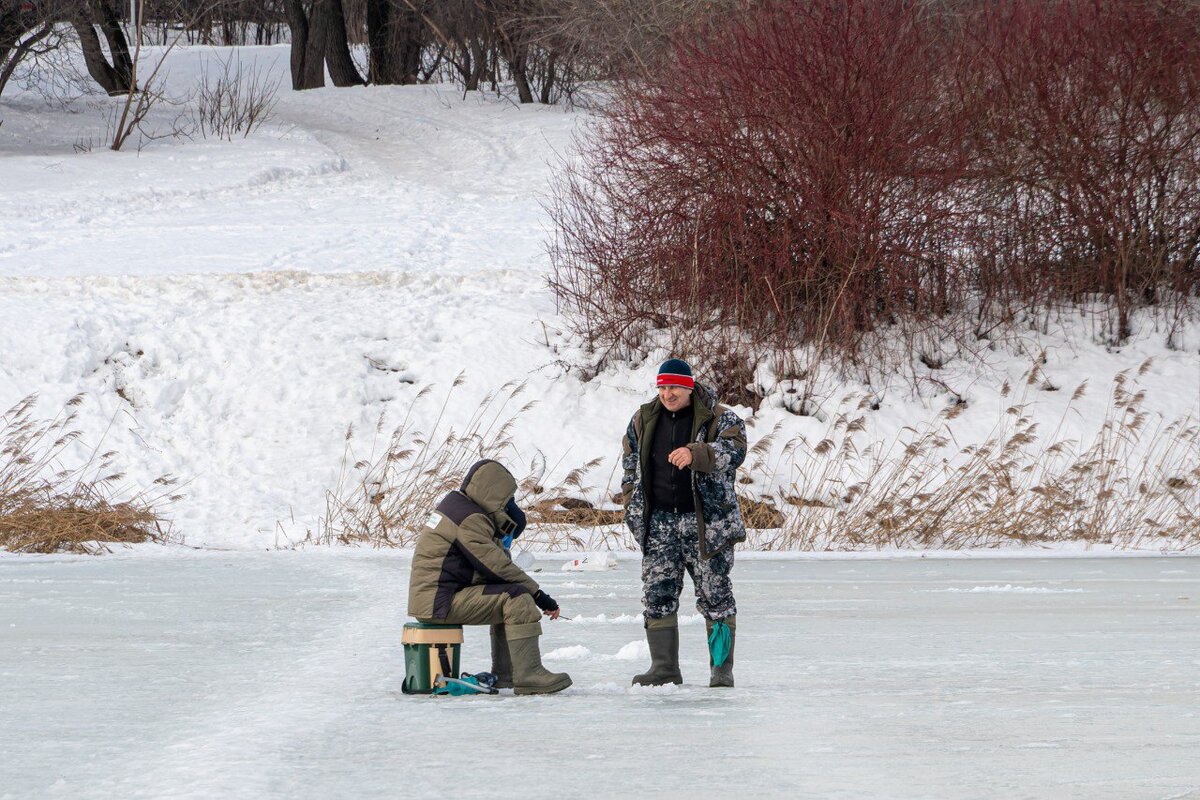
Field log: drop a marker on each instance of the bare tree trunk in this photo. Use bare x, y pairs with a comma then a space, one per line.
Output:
479, 70
380, 64
548, 83
397, 40
93, 56
118, 46
516, 58
319, 36
513, 48
11, 28
297, 20
337, 47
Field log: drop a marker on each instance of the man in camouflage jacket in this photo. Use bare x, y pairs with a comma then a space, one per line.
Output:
680, 458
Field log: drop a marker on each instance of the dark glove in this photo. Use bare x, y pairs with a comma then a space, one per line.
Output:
544, 601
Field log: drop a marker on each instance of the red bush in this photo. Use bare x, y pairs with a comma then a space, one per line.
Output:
814, 170
785, 175
1090, 161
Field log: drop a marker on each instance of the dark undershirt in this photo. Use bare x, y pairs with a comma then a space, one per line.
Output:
670, 487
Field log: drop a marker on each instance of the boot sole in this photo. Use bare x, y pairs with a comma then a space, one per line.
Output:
551, 689
677, 680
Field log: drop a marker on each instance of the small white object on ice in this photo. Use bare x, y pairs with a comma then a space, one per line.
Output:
635, 650
568, 653
592, 562
524, 559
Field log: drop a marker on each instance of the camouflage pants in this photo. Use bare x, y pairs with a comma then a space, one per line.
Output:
673, 545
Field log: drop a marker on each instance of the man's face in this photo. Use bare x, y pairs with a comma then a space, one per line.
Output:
674, 397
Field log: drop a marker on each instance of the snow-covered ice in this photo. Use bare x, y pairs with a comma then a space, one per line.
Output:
277, 675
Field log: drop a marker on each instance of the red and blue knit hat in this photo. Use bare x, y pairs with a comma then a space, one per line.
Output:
676, 372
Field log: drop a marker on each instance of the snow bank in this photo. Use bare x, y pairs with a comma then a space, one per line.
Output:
232, 309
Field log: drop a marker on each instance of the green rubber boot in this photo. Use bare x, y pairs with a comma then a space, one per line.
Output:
501, 663
663, 637
722, 675
528, 674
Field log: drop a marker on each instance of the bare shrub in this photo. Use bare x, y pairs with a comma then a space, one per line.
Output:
1136, 483
1089, 164
382, 498
130, 117
236, 101
808, 180
19, 44
47, 508
785, 178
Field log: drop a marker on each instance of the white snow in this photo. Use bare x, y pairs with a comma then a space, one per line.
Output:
604, 619
567, 653
636, 650
231, 308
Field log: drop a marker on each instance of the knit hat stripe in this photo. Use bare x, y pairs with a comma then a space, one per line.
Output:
676, 372
674, 379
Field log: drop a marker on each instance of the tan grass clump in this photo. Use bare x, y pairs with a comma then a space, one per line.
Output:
384, 498
46, 508
1135, 484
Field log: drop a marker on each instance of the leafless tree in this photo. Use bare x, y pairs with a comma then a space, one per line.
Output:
319, 38
86, 16
23, 34
398, 37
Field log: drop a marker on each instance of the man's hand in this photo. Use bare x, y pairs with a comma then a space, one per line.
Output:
680, 457
546, 603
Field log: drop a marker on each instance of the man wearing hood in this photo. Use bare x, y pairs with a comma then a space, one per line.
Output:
462, 574
680, 457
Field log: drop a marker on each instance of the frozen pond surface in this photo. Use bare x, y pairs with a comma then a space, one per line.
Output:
278, 675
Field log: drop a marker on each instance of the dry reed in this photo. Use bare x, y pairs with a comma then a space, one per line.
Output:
1135, 484
48, 508
384, 498
569, 515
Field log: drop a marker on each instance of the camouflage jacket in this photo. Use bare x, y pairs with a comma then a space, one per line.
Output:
718, 449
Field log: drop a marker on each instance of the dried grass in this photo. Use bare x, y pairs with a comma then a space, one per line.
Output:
569, 515
383, 499
48, 508
1135, 484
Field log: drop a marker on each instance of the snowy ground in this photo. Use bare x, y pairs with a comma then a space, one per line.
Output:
230, 308
278, 675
